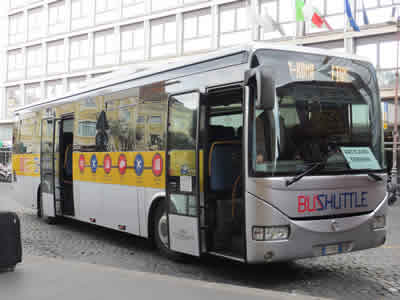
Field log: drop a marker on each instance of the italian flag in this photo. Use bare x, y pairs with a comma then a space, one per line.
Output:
306, 12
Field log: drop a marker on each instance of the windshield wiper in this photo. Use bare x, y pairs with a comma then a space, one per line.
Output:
307, 171
370, 173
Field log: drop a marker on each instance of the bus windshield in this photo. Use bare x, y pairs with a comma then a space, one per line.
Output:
319, 119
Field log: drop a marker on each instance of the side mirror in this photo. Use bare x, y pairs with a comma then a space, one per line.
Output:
262, 79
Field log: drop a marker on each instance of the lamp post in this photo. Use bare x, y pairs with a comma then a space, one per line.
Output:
394, 180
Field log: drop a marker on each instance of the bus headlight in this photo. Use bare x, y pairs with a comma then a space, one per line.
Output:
272, 233
379, 222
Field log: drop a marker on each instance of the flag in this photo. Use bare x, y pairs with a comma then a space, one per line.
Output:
350, 16
265, 21
299, 11
310, 13
394, 13
365, 16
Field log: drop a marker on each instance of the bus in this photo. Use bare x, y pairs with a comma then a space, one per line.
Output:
258, 153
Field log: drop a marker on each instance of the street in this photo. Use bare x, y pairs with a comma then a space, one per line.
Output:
370, 274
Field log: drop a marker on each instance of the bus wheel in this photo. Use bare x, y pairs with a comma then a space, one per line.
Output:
160, 233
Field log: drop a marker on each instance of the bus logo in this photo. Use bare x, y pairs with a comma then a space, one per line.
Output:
157, 165
122, 164
107, 164
82, 162
139, 164
93, 163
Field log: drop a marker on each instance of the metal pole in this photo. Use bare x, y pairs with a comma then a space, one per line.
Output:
396, 104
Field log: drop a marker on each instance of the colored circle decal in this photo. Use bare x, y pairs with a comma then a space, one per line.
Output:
157, 165
81, 162
93, 163
139, 164
107, 163
122, 164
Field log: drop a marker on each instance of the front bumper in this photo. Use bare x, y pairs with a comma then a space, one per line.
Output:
308, 238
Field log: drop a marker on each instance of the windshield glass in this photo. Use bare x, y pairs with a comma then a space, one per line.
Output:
327, 117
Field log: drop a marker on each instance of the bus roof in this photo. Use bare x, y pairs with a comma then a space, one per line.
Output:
137, 71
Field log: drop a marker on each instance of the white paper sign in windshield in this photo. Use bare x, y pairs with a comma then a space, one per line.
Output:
360, 158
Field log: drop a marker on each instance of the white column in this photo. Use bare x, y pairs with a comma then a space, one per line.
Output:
256, 30
26, 25
91, 50
24, 62
45, 22
65, 85
22, 88
92, 12
147, 40
43, 95
66, 54
44, 57
68, 15
215, 27
179, 34
117, 49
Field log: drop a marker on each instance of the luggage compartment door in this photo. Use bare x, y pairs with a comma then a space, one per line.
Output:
182, 171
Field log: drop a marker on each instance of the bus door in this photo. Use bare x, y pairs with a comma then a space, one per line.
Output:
48, 168
182, 170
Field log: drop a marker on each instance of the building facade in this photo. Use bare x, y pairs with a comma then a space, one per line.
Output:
54, 46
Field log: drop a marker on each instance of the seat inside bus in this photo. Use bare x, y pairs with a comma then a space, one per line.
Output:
224, 158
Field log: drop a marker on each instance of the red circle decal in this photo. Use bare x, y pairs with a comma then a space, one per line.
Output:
107, 163
122, 164
81, 162
157, 165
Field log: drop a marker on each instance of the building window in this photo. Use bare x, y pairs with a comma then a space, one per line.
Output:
57, 22
14, 100
234, 26
33, 93
163, 37
15, 65
197, 29
282, 13
16, 3
75, 83
378, 11
106, 11
370, 51
79, 53
162, 4
54, 89
79, 14
34, 61
132, 8
104, 48
55, 57
35, 23
132, 43
87, 128
16, 28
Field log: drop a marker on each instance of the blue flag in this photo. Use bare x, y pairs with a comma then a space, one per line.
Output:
350, 16
365, 16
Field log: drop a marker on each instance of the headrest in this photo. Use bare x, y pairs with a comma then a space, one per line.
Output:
219, 132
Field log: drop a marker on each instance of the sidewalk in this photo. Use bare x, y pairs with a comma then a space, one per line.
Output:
40, 278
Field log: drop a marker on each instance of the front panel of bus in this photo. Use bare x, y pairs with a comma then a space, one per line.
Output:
316, 172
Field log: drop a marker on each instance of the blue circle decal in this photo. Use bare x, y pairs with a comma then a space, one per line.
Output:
139, 164
93, 163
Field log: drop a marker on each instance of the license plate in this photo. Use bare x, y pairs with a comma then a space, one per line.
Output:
331, 249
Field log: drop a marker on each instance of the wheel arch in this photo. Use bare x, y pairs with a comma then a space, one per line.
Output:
156, 199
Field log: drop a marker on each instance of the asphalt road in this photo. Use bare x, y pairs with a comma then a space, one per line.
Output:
370, 274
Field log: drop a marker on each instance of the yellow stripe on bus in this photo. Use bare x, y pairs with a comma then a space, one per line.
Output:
144, 169
26, 164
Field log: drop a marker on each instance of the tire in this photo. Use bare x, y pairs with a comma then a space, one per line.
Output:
160, 233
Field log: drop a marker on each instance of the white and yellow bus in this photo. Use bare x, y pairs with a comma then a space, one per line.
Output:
258, 153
